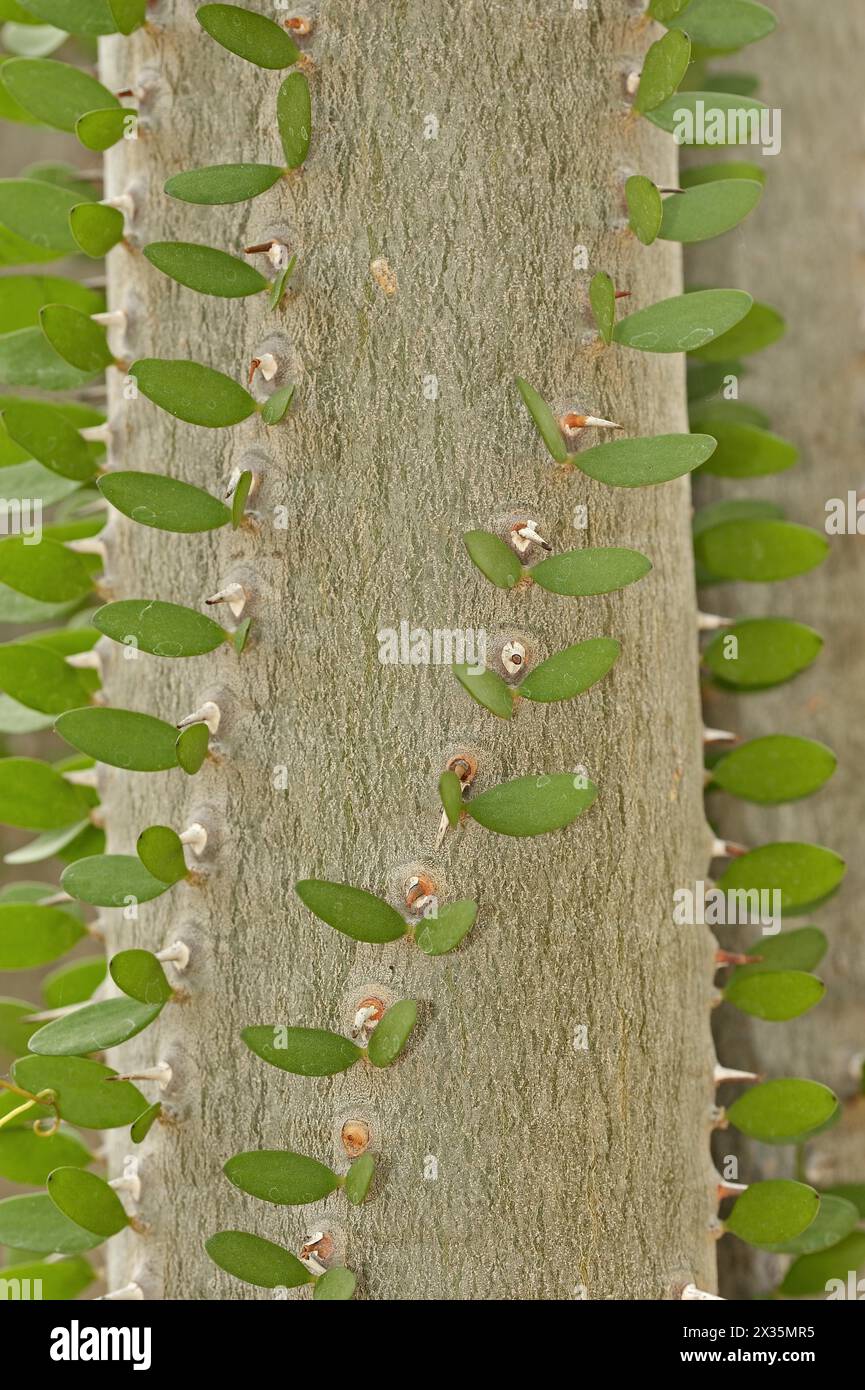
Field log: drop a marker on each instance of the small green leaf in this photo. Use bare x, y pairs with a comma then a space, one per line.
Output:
27, 1157
358, 1179
205, 269
86, 1093
805, 875
665, 10
121, 738
731, 24
57, 1280
391, 1033
486, 687
757, 653
760, 328
760, 551
257, 1261
111, 880
48, 436
775, 995
25, 295
223, 183
545, 421
128, 15
100, 129
35, 1223
709, 210
199, 395
802, 949
73, 984
775, 769
663, 69
493, 558
140, 975
302, 1051
336, 1285
645, 462
645, 208
748, 452
241, 632
602, 297
683, 323
191, 748
771, 1212
161, 852
164, 503
451, 794
91, 16
31, 935
143, 1125
815, 1273
34, 220
591, 571
853, 1192
281, 1177
533, 805
571, 671
28, 359
33, 796
436, 935
708, 118
276, 406
785, 1111
730, 169
93, 1028
239, 497
14, 1030
87, 1200
294, 118
55, 94
41, 679
164, 629
352, 911
250, 36
277, 289
46, 571
95, 228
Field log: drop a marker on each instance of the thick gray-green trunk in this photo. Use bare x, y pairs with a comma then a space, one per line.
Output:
810, 383
556, 1167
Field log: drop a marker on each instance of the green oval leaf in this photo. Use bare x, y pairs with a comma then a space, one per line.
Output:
34, 796
785, 1111
391, 1033
31, 935
763, 652
34, 220
88, 1201
238, 502
602, 297
41, 679
451, 795
708, 118
729, 169
663, 69
256, 1261
35, 1223
493, 558
161, 852
775, 995
352, 911
25, 295
26, 1157
853, 1192
280, 1177
436, 935
591, 571
87, 1094
110, 880
223, 183
302, 1051
760, 328
57, 1280
121, 738
683, 323
140, 976
775, 769
205, 269
571, 671
294, 118
164, 629
665, 10
487, 688
709, 210
95, 228
532, 805
91, 16
816, 1273
645, 208
191, 748
802, 949
805, 875
73, 984
128, 15
250, 36
100, 129
145, 1122
771, 1212
358, 1179
760, 551
645, 462
545, 421
199, 395
336, 1285
275, 406
14, 1030
47, 436
93, 1028
731, 24
164, 503
748, 452
46, 571
55, 94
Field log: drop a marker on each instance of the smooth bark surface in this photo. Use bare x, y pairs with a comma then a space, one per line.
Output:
558, 1169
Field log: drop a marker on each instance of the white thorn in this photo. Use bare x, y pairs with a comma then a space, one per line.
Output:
729, 1189
234, 595
727, 849
232, 482
364, 1021
691, 1293
54, 899
196, 837
267, 365
96, 434
855, 1065
710, 622
160, 1072
123, 204
130, 1182
722, 1074
522, 537
89, 546
632, 82
278, 255
718, 1117
85, 661
442, 830
719, 736
209, 714
46, 1015
177, 953
601, 424
112, 318
87, 777
127, 1293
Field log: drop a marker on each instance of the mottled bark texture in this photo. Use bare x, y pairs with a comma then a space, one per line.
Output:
557, 1167
802, 252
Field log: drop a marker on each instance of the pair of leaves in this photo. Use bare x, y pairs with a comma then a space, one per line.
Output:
86, 1093
66, 98
774, 769
135, 742
290, 1179
523, 807
784, 1111
364, 917
757, 653
257, 1261
316, 1052
561, 677
698, 214
759, 550
575, 573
